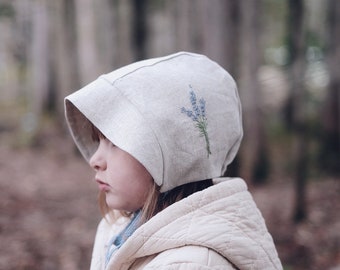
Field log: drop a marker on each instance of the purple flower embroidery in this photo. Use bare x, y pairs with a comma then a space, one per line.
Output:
198, 115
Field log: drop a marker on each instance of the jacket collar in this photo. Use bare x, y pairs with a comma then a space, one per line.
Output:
223, 217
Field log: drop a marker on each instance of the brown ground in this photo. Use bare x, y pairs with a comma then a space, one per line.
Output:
49, 212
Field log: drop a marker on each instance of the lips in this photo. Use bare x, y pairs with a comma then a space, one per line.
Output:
102, 185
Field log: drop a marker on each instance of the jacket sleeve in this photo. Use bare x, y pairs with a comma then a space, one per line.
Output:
187, 258
97, 253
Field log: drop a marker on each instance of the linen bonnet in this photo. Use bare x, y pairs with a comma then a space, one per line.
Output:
178, 115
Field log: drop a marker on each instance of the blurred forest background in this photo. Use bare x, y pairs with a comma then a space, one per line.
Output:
285, 57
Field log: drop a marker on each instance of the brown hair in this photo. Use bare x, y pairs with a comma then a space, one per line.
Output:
155, 200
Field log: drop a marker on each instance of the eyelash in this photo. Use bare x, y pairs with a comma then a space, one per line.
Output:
96, 134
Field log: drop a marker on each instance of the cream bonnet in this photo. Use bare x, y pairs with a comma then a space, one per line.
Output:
178, 115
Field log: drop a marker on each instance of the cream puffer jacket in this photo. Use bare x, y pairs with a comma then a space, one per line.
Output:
217, 228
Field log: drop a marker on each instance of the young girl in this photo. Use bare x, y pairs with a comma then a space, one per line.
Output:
159, 135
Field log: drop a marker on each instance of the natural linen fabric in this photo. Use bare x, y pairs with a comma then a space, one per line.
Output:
217, 228
178, 115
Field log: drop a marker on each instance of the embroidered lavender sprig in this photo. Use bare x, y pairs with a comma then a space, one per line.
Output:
198, 115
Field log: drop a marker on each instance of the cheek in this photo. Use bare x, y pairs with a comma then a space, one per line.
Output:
141, 187
134, 194
141, 177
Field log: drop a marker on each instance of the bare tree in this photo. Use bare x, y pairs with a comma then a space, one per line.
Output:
123, 40
182, 14
38, 65
296, 46
253, 155
140, 29
231, 53
64, 57
231, 25
88, 56
330, 155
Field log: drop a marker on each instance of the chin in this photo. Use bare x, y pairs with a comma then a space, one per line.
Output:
114, 204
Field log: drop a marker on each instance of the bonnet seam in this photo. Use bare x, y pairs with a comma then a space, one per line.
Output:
161, 60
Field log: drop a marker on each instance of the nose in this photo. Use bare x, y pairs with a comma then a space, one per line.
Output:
97, 161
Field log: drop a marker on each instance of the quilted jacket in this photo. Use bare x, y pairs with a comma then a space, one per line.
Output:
217, 228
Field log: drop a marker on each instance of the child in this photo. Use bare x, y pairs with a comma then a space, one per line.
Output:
159, 135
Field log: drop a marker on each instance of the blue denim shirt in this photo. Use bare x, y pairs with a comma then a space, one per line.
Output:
118, 240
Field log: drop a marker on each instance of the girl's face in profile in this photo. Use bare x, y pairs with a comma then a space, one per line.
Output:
124, 180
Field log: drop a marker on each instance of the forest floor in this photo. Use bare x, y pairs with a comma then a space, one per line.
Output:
49, 211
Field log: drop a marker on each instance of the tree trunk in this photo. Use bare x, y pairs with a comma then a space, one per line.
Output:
38, 64
140, 28
330, 153
88, 65
213, 28
253, 155
106, 33
231, 53
182, 24
123, 39
65, 55
231, 40
297, 67
162, 21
